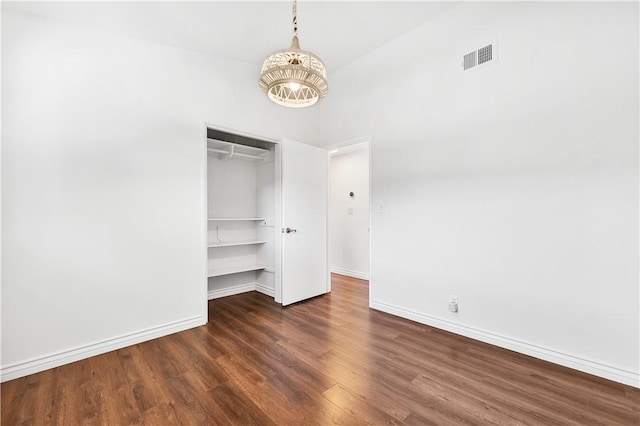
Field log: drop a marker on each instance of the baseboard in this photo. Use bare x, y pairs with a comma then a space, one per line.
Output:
349, 273
230, 291
56, 359
244, 288
597, 369
265, 290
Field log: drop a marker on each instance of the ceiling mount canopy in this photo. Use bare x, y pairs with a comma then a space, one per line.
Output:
294, 77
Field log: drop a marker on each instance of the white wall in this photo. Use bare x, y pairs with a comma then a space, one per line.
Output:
514, 186
103, 169
349, 216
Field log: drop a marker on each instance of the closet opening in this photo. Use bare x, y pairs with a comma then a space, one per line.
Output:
241, 214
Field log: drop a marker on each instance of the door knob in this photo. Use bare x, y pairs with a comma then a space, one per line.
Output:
289, 230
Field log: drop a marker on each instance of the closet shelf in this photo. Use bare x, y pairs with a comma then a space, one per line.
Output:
227, 270
228, 150
217, 219
234, 243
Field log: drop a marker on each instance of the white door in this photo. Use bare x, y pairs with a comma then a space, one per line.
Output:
304, 222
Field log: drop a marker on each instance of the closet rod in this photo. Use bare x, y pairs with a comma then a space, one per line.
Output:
236, 154
250, 148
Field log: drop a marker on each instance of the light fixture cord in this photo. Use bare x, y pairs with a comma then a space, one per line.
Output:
295, 18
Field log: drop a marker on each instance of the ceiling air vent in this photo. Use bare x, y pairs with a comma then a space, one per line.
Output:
484, 55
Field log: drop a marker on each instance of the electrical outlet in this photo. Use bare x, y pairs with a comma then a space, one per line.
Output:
381, 209
453, 299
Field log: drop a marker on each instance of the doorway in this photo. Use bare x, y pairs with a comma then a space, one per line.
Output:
349, 209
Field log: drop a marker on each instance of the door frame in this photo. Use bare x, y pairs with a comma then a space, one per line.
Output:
366, 140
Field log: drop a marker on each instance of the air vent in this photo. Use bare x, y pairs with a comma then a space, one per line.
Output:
470, 60
485, 54
479, 57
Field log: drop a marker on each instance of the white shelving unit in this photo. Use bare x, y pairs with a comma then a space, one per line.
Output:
240, 204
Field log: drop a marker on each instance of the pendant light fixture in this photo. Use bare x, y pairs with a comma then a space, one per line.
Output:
294, 77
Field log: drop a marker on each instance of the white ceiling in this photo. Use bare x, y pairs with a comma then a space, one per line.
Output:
338, 31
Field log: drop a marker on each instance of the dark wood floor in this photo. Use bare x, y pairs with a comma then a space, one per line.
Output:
329, 360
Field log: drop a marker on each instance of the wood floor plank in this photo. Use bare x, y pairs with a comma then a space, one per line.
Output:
189, 406
357, 406
466, 400
236, 407
188, 352
263, 392
329, 360
362, 381
318, 408
140, 382
118, 396
162, 362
